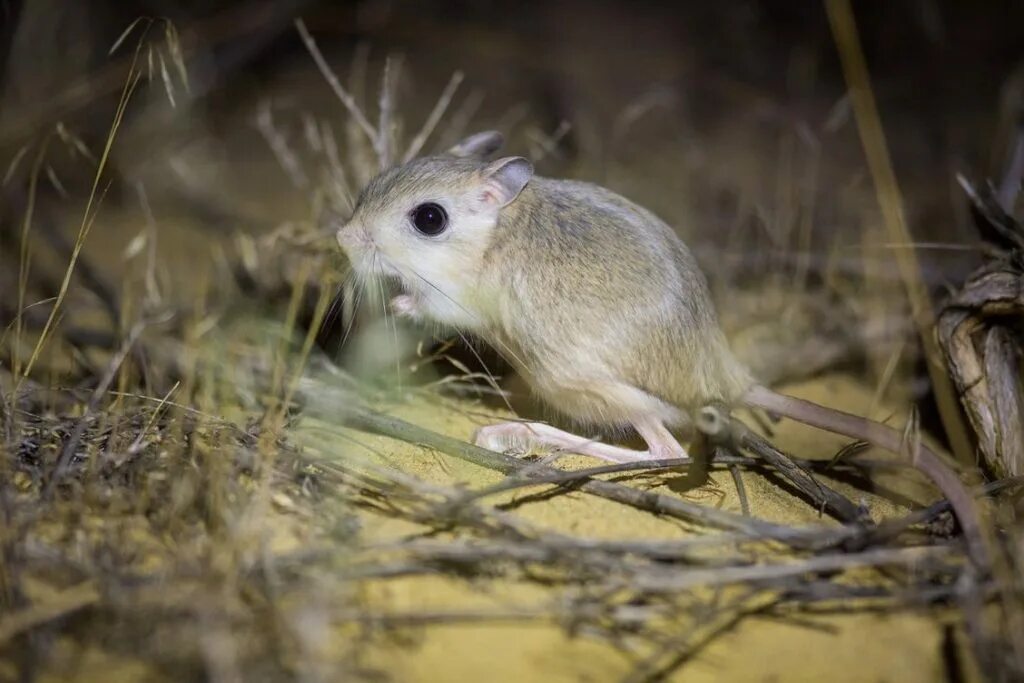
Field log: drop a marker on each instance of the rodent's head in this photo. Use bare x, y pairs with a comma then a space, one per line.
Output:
431, 219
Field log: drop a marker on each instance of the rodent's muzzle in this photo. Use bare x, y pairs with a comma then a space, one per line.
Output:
352, 238
362, 252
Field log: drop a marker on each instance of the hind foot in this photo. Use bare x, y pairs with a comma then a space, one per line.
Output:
511, 436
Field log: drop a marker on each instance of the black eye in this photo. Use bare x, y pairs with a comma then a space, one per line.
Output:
430, 218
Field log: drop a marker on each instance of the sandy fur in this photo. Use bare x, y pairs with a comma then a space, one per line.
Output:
595, 300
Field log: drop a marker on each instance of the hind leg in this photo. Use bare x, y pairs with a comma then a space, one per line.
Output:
660, 442
601, 402
506, 435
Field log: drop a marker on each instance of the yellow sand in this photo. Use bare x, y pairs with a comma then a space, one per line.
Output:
864, 647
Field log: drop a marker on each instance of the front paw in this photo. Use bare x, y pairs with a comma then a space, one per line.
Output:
404, 306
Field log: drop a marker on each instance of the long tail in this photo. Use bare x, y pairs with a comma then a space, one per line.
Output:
882, 436
835, 421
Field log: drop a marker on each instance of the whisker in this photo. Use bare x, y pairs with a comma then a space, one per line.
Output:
393, 327
360, 290
487, 371
491, 379
335, 308
469, 313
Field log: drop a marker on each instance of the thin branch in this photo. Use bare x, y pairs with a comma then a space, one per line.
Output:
823, 496
370, 421
672, 581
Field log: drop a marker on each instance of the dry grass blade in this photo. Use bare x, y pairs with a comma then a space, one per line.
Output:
341, 189
385, 143
55, 183
278, 144
64, 603
458, 122
887, 188
332, 80
173, 42
71, 445
124, 35
12, 167
74, 143
546, 145
23, 254
443, 102
88, 215
166, 77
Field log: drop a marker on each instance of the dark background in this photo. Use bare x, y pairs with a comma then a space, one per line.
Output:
727, 119
940, 67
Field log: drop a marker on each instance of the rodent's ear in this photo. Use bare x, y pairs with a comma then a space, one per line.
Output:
505, 178
480, 145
